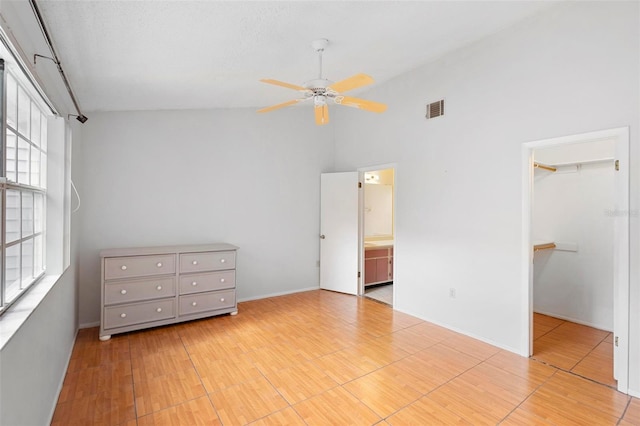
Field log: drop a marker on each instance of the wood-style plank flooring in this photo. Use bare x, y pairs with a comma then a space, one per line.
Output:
321, 358
582, 350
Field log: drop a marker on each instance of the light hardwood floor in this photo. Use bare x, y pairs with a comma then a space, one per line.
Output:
582, 350
318, 358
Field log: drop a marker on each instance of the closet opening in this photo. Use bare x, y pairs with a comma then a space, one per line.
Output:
377, 251
577, 254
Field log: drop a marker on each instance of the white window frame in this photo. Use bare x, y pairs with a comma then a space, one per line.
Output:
15, 67
30, 242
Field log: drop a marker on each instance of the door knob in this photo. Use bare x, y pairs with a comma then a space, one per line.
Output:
322, 237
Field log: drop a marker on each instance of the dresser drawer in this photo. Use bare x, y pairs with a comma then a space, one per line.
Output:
139, 266
207, 261
202, 302
137, 313
136, 290
197, 283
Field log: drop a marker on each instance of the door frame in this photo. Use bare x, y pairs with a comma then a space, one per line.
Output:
621, 243
361, 172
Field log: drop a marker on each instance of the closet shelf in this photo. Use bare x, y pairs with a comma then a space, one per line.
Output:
545, 246
586, 162
554, 167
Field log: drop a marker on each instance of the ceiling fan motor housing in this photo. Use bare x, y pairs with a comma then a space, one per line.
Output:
318, 83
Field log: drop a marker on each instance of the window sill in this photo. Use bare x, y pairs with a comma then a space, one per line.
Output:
21, 310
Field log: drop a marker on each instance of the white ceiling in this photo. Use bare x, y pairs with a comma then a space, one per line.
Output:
146, 55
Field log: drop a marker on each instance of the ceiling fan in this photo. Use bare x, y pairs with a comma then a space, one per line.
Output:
321, 90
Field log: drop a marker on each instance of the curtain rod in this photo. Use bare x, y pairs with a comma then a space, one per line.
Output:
36, 11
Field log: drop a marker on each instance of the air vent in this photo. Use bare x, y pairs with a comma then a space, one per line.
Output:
435, 109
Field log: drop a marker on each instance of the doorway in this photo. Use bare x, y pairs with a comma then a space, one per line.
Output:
577, 258
378, 243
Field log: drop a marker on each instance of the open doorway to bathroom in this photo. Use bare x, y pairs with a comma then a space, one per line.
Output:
378, 231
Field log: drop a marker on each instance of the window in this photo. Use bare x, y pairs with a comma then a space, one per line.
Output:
23, 184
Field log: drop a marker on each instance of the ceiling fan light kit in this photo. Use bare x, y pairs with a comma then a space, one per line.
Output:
321, 90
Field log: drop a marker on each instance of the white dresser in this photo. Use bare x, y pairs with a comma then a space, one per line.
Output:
151, 286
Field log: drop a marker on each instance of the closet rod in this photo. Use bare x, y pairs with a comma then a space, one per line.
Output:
545, 246
544, 166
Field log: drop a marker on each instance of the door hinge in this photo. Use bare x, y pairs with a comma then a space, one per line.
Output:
616, 340
358, 274
359, 185
617, 165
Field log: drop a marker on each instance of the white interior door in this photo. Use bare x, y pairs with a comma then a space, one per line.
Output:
339, 222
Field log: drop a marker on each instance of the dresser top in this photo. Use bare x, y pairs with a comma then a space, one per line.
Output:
141, 251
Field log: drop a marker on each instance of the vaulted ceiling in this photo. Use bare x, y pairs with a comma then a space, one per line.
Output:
146, 55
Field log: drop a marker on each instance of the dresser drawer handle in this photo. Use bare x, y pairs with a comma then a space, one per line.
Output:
159, 264
194, 303
222, 299
159, 310
123, 291
123, 315
194, 283
123, 267
221, 280
159, 288
195, 262
222, 260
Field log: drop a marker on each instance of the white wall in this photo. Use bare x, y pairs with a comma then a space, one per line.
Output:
378, 210
570, 70
574, 205
174, 177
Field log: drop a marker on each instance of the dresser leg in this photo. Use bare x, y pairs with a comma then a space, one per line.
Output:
234, 313
105, 338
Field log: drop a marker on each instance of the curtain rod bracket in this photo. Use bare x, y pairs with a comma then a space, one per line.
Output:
81, 118
36, 56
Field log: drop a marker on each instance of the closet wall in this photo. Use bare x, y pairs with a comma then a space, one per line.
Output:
573, 207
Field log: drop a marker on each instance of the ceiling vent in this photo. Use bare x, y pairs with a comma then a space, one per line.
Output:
435, 109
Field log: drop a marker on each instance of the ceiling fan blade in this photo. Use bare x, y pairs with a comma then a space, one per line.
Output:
322, 114
283, 84
361, 104
278, 106
351, 83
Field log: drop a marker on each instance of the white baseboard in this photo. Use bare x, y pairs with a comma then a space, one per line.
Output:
473, 336
61, 383
577, 321
282, 293
89, 325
